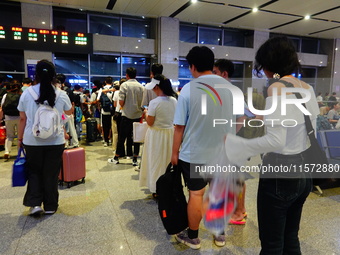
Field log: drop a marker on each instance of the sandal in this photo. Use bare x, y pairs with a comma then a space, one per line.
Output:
237, 222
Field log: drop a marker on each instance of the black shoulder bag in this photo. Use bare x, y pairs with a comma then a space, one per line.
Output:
314, 156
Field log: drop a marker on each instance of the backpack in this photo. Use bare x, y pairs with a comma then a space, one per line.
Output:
172, 204
11, 103
106, 103
47, 119
78, 114
77, 101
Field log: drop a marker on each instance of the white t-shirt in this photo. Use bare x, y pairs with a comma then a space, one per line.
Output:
116, 100
29, 106
163, 109
201, 140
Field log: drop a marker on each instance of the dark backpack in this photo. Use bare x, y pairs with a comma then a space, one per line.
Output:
106, 103
77, 101
11, 103
172, 204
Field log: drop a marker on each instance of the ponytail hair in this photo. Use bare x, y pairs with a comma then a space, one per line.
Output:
165, 85
44, 74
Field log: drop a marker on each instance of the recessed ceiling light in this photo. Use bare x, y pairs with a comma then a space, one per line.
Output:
255, 9
194, 1
336, 48
307, 17
136, 47
227, 55
43, 22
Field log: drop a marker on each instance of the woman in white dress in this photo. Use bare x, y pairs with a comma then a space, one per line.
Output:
159, 136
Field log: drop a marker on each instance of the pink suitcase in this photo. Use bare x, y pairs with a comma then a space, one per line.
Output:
73, 166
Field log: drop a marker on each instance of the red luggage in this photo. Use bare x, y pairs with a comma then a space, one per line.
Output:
73, 166
2, 135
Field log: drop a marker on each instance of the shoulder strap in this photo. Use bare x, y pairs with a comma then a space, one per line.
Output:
308, 123
33, 93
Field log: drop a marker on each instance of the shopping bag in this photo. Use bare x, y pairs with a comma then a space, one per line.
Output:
139, 131
19, 174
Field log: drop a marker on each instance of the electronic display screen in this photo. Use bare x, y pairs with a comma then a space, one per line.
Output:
45, 40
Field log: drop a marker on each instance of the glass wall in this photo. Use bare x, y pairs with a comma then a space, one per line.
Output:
71, 20
139, 28
210, 36
105, 65
12, 64
188, 33
75, 67
10, 14
303, 44
238, 38
216, 35
104, 25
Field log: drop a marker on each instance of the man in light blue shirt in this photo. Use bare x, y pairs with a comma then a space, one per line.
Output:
200, 140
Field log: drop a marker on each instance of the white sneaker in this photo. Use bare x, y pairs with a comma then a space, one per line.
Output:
113, 161
105, 144
219, 240
50, 212
36, 210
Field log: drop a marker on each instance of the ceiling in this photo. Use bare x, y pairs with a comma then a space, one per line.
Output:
278, 16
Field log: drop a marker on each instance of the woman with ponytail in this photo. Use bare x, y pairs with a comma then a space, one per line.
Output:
159, 136
43, 156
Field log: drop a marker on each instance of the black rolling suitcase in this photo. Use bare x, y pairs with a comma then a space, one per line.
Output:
91, 130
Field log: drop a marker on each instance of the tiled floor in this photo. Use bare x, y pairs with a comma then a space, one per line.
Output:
110, 214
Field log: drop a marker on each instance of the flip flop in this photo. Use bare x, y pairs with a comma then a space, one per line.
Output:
237, 222
245, 215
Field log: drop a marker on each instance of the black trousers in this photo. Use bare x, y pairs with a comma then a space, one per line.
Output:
125, 133
106, 121
43, 163
279, 206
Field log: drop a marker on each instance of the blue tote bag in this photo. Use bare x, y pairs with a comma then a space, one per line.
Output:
19, 175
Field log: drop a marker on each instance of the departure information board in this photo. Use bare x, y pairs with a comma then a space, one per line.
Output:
45, 40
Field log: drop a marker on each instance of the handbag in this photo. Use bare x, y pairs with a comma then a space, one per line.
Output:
19, 173
172, 204
139, 131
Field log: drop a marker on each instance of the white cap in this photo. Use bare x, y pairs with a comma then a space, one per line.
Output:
152, 84
116, 83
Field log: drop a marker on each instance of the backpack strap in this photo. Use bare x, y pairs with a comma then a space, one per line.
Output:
33, 93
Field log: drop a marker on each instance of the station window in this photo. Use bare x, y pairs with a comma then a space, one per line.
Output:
310, 45
104, 25
188, 33
10, 14
183, 69
139, 28
12, 60
142, 65
65, 19
238, 38
108, 65
210, 36
74, 64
